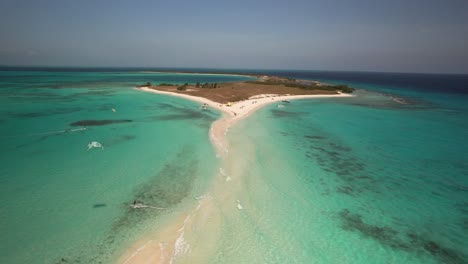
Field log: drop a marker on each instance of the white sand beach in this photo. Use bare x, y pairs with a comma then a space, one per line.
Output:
241, 109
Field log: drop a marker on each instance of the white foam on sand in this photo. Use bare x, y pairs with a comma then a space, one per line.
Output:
181, 245
222, 172
239, 205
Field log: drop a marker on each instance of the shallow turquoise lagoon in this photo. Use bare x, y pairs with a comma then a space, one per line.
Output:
379, 178
63, 202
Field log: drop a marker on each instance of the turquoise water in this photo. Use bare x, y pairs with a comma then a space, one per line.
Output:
368, 179
378, 178
62, 202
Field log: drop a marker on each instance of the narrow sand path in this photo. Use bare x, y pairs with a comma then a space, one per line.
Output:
193, 236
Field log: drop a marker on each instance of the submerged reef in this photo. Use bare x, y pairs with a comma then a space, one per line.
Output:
167, 188
99, 122
178, 113
409, 241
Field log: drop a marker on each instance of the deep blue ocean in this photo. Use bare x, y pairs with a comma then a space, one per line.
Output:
378, 178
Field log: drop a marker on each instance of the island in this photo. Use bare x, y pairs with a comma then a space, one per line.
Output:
240, 98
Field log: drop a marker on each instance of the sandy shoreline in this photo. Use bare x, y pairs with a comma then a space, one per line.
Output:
203, 222
237, 111
241, 109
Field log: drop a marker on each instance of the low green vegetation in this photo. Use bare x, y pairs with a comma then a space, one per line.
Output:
206, 85
185, 85
182, 87
307, 86
344, 88
148, 84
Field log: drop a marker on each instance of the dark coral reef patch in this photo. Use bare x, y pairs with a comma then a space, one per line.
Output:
409, 241
99, 122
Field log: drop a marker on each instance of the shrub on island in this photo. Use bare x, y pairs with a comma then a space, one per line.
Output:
182, 87
209, 85
148, 84
344, 88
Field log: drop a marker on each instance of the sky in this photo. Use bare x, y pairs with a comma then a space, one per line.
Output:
429, 36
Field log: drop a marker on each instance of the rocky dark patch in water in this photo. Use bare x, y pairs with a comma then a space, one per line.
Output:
314, 137
179, 113
173, 181
100, 122
410, 242
337, 158
379, 100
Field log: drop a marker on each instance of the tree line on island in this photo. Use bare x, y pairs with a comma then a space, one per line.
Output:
183, 87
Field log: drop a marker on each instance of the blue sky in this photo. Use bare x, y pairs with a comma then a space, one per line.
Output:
359, 35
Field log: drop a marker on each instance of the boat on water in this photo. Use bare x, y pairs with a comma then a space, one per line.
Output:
285, 101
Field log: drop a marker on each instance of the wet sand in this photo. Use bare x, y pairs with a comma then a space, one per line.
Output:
192, 236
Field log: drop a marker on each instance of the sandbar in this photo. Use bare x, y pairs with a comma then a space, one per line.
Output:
172, 241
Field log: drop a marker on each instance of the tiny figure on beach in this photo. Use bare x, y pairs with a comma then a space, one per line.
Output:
134, 202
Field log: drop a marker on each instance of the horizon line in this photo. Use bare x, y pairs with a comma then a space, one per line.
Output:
222, 69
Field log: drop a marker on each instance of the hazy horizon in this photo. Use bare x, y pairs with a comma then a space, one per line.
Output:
204, 69
416, 37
